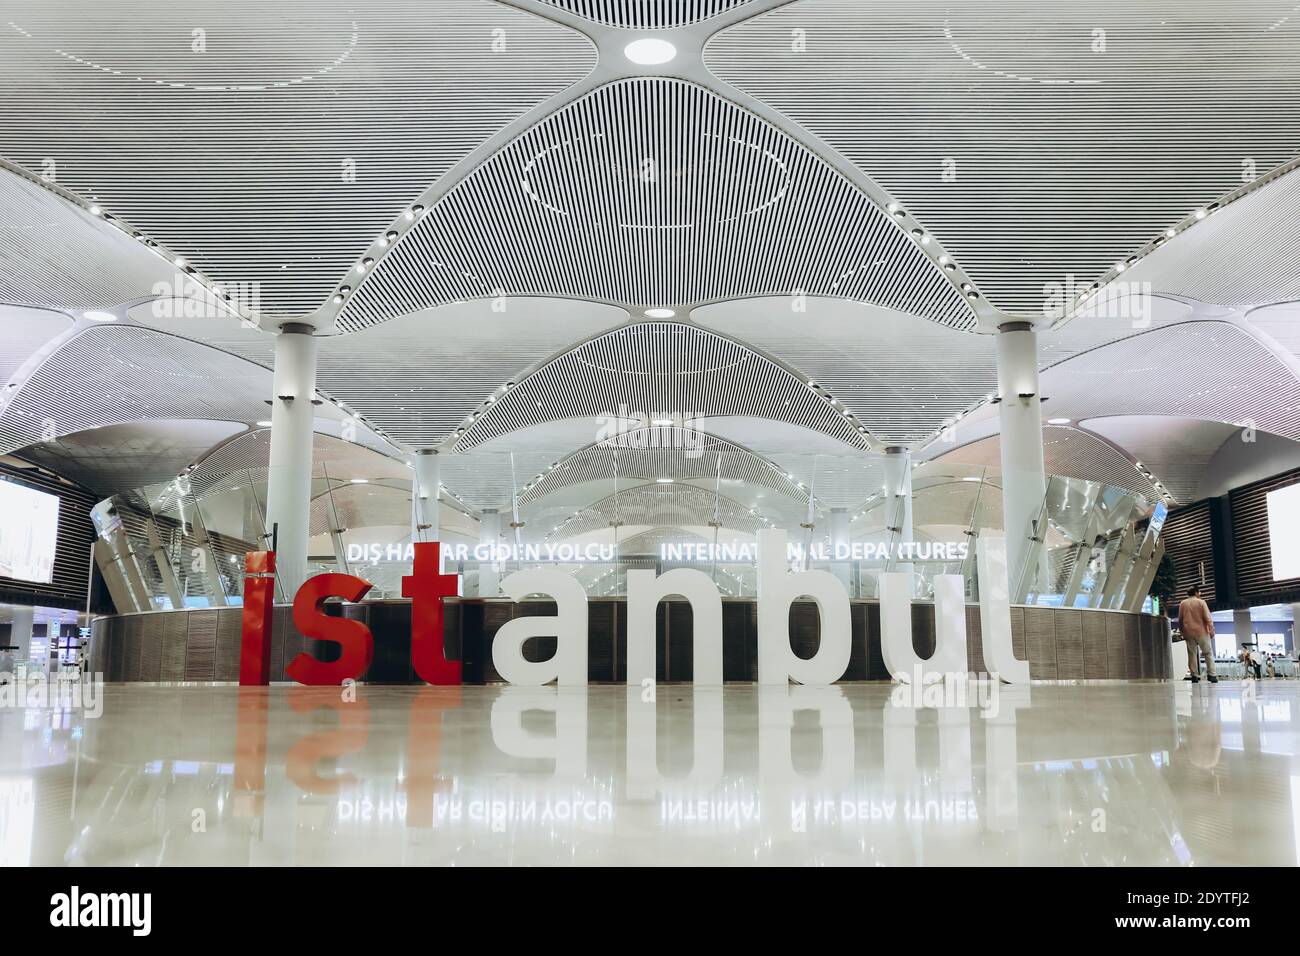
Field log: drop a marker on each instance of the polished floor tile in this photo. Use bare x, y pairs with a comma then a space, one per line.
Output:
1081, 774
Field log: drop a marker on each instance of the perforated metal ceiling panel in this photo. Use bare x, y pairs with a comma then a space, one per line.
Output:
53, 254
332, 458
113, 374
654, 193
1280, 322
268, 142
1247, 253
486, 479
1038, 141
1207, 370
646, 14
901, 375
1067, 452
1109, 319
23, 333
654, 453
197, 317
121, 458
656, 369
659, 505
419, 376
836, 481
1177, 452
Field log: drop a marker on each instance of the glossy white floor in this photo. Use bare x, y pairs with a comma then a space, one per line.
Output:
1108, 773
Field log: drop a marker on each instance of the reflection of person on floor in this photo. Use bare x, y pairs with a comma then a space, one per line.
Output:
1197, 626
1201, 740
6, 665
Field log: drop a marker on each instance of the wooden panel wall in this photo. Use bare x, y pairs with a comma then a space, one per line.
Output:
203, 645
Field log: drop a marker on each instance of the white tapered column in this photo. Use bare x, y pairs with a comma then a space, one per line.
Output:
425, 507
898, 503
288, 495
841, 543
1024, 484
489, 533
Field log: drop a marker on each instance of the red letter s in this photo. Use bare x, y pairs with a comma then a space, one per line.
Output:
355, 638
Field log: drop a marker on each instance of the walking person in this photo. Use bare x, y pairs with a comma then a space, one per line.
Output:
1197, 626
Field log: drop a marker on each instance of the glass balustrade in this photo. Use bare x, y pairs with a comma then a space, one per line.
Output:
603, 511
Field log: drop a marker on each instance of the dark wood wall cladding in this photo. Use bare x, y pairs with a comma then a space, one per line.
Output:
203, 645
1189, 540
67, 587
1251, 547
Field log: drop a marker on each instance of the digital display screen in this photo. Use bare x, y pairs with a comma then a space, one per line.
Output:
29, 533
1284, 531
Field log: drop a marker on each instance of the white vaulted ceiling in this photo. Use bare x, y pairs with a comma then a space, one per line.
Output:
1247, 253
280, 151
704, 202
418, 377
646, 14
1038, 140
138, 388
122, 458
654, 505
657, 369
26, 333
1212, 370
1069, 452
1177, 450
903, 376
112, 375
54, 254
478, 203
648, 454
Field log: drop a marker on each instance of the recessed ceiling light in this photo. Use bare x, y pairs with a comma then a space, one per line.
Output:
263, 424
97, 316
662, 421
1201, 214
1058, 421
359, 481
971, 478
660, 313
649, 51
664, 481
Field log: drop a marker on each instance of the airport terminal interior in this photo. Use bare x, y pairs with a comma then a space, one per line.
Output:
597, 432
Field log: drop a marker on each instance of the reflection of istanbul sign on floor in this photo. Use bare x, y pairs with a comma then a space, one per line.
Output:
778, 587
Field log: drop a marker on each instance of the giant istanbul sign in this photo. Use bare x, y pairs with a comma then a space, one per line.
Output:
778, 587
